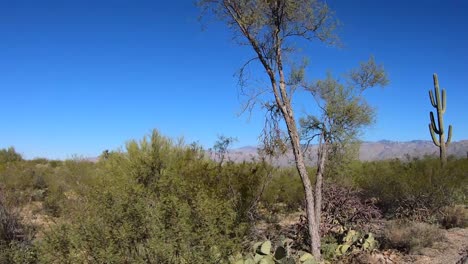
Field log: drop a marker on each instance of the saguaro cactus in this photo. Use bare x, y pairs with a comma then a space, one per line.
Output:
439, 104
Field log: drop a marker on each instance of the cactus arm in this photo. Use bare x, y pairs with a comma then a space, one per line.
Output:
436, 87
449, 139
444, 100
437, 131
431, 96
434, 138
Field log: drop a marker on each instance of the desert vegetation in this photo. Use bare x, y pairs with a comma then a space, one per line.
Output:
164, 201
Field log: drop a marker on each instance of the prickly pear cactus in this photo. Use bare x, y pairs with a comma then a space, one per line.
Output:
263, 253
355, 241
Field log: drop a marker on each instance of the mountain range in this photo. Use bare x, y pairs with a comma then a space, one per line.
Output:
369, 151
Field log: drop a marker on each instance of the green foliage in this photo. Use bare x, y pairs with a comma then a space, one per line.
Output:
454, 216
15, 237
329, 244
440, 104
52, 203
300, 19
9, 155
285, 192
264, 253
243, 184
221, 147
344, 112
18, 253
417, 189
166, 202
41, 179
342, 162
353, 241
159, 202
271, 29
347, 241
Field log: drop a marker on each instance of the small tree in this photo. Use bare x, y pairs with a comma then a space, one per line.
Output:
269, 28
440, 105
344, 112
221, 148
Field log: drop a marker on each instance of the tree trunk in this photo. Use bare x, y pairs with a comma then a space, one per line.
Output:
312, 224
322, 157
284, 105
283, 101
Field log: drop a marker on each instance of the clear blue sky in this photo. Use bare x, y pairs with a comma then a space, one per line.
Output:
78, 77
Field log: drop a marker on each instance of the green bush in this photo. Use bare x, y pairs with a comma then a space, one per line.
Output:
158, 202
53, 201
9, 155
285, 193
416, 189
166, 202
15, 237
45, 181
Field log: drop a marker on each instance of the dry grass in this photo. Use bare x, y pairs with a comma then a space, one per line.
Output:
455, 216
410, 237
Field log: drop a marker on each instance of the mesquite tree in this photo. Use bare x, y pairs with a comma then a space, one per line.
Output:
343, 113
270, 28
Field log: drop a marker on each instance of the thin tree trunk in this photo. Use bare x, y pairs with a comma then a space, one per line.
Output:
283, 102
322, 157
312, 224
288, 115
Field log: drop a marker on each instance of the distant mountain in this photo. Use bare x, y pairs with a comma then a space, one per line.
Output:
385, 149
380, 150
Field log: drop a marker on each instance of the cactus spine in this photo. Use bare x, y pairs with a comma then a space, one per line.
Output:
439, 104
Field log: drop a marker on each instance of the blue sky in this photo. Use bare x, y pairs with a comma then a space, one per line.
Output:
78, 77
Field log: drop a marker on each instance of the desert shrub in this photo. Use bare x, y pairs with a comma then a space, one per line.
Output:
346, 207
343, 208
73, 174
454, 216
410, 237
158, 202
18, 178
244, 183
53, 201
285, 192
15, 237
9, 155
46, 181
416, 189
39, 182
75, 177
